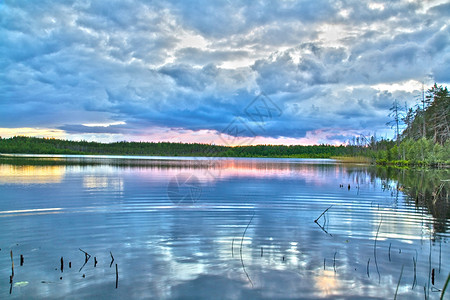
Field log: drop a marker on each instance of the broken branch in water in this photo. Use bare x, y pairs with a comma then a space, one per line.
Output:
112, 259
445, 286
232, 247
398, 283
334, 262
12, 273
12, 265
87, 256
390, 244
323, 213
415, 275
240, 250
323, 229
375, 250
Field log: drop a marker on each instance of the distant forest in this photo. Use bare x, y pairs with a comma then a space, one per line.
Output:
33, 145
423, 141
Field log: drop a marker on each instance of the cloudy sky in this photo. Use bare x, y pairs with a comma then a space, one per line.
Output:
224, 72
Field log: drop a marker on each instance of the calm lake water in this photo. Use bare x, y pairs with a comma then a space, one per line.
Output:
218, 229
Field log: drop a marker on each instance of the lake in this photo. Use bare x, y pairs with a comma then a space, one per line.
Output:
220, 229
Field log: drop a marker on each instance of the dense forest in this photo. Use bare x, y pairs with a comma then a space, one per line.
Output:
57, 146
423, 141
425, 138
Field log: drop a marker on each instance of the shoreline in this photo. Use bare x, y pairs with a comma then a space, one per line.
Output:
76, 159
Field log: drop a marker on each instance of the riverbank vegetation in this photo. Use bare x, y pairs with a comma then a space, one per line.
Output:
425, 137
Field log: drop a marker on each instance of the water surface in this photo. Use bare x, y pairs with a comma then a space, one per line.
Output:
217, 228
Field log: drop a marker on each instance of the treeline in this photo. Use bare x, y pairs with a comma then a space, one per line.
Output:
31, 145
431, 117
425, 139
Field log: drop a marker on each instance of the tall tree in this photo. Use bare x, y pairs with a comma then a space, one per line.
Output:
396, 118
438, 113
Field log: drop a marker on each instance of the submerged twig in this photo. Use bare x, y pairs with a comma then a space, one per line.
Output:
240, 250
112, 259
12, 265
390, 244
117, 276
445, 286
232, 247
87, 256
323, 229
375, 250
368, 263
415, 273
334, 262
11, 278
323, 213
398, 283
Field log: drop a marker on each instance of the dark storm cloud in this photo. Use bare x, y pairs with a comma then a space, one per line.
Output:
198, 64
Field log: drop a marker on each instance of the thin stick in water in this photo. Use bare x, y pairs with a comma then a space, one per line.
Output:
390, 244
117, 276
334, 262
445, 286
375, 250
398, 283
323, 213
87, 256
11, 278
240, 250
440, 251
368, 263
232, 247
12, 265
112, 259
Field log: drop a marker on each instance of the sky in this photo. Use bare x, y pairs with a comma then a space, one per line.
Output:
222, 72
